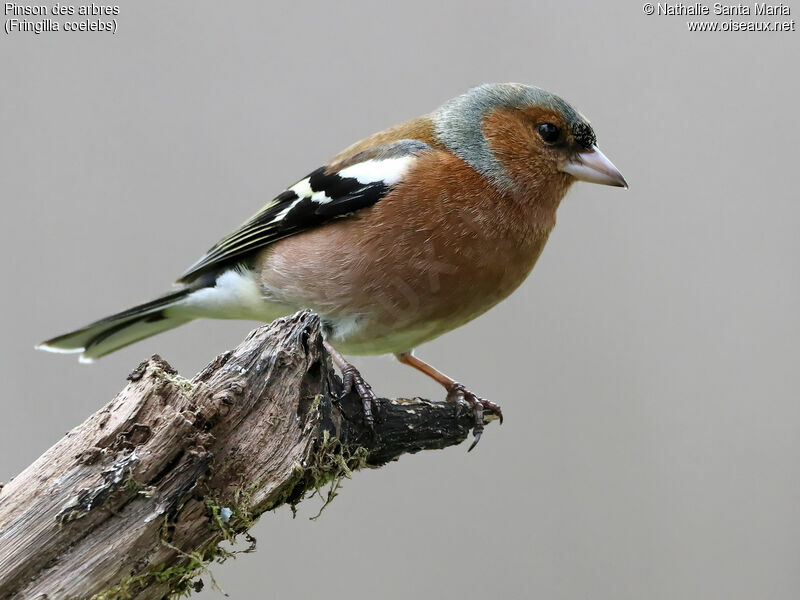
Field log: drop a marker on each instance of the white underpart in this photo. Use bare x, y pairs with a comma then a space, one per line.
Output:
344, 327
349, 337
389, 170
235, 295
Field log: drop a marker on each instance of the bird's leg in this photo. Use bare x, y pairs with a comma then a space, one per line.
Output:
352, 380
456, 392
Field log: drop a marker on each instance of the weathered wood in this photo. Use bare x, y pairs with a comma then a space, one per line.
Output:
134, 502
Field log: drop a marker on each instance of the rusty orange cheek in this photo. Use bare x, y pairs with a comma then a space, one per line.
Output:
512, 136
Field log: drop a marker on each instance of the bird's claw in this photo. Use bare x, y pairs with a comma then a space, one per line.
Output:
352, 380
476, 434
458, 393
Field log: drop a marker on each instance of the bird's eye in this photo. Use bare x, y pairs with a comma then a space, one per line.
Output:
550, 133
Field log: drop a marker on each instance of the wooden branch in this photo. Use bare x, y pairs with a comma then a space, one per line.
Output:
134, 502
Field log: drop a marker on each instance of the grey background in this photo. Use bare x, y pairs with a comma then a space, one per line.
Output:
648, 369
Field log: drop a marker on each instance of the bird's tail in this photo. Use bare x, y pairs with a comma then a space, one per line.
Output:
117, 331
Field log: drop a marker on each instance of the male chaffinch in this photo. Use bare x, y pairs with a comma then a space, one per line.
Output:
401, 237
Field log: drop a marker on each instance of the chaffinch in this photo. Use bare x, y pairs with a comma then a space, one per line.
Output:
401, 237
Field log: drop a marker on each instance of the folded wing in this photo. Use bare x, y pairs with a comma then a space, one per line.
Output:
320, 197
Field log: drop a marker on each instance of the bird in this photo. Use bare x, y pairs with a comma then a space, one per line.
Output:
401, 237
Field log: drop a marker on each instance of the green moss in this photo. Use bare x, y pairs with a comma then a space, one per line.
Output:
316, 402
180, 578
241, 516
124, 589
332, 464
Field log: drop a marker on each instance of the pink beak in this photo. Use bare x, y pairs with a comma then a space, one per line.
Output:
592, 165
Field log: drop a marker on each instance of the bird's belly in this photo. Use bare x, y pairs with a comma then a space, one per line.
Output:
393, 297
391, 340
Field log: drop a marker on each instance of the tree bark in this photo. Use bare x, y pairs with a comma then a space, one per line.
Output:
134, 502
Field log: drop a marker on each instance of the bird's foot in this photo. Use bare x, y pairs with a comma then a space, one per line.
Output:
456, 392
352, 380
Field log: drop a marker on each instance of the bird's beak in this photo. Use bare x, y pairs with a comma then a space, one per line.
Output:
592, 165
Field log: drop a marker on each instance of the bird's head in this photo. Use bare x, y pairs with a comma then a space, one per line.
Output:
523, 137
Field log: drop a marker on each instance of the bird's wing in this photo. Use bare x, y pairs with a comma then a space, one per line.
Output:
320, 197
